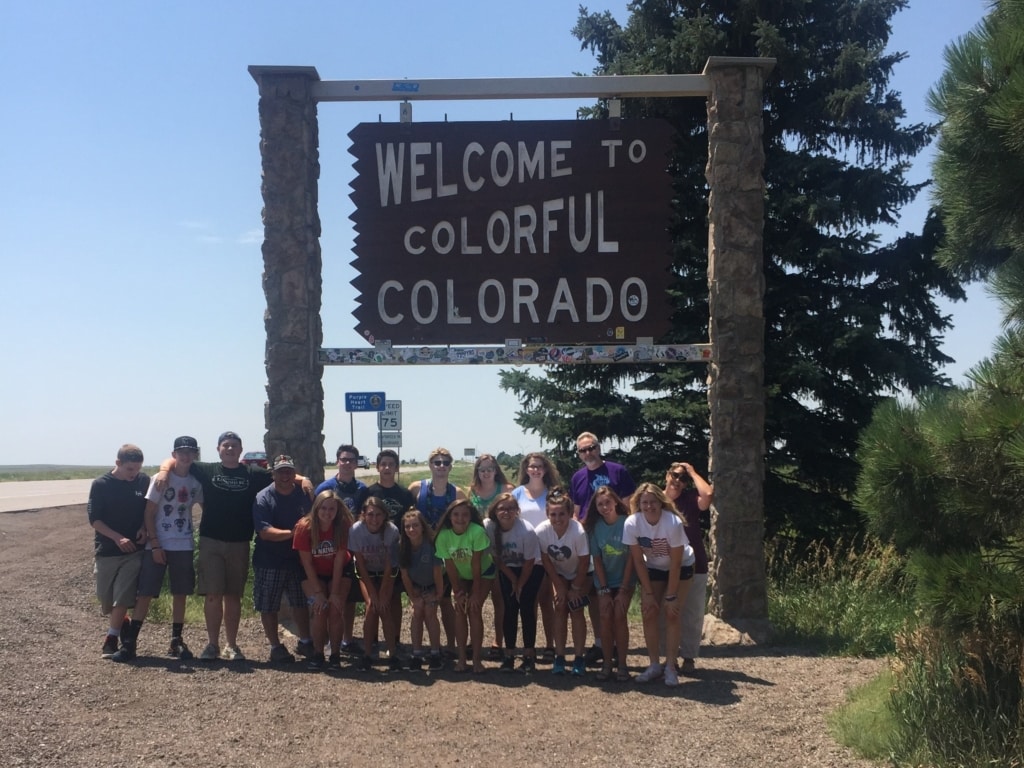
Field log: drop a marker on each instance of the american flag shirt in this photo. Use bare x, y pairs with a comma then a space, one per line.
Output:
657, 541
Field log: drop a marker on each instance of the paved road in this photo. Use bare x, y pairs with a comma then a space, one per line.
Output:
37, 494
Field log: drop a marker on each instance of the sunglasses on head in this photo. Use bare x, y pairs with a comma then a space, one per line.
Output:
586, 449
442, 462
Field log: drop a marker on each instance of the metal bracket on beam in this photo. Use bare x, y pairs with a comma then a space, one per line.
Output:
405, 112
615, 113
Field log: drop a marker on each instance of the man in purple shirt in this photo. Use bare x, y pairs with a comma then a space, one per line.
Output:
596, 472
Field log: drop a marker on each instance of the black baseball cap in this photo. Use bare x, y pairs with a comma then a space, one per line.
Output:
186, 442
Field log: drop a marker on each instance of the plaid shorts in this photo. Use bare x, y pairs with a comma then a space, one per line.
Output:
269, 584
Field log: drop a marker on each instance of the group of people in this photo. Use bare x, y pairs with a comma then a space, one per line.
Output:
536, 548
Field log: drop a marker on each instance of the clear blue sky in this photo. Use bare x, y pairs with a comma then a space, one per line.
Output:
130, 205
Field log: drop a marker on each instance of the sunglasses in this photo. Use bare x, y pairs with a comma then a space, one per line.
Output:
557, 497
678, 475
345, 460
442, 463
586, 449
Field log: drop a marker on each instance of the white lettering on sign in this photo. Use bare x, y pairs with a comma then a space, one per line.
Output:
494, 300
500, 166
520, 231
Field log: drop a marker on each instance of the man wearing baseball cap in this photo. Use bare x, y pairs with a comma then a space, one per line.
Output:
277, 570
168, 521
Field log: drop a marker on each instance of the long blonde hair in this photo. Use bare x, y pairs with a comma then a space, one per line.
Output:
342, 521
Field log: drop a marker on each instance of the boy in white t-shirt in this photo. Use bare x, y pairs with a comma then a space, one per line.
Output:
168, 521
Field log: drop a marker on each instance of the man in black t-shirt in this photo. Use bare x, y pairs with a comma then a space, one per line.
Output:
117, 504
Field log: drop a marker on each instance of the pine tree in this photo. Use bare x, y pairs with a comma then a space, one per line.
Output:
850, 318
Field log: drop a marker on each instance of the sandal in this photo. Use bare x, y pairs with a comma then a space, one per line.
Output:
603, 675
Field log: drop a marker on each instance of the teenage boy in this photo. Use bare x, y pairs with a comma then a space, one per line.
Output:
117, 502
169, 544
276, 567
225, 531
344, 484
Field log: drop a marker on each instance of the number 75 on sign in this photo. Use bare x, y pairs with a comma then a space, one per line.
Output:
390, 419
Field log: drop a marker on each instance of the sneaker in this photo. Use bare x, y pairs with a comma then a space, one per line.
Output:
109, 647
279, 655
579, 666
508, 664
671, 676
365, 664
349, 648
394, 664
415, 662
210, 653
558, 667
305, 649
334, 660
689, 668
527, 666
436, 662
234, 653
594, 656
316, 662
125, 653
653, 672
179, 650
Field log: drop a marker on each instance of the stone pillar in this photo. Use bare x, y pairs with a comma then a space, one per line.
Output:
289, 146
736, 375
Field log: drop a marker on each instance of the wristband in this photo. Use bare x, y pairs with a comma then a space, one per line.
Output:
604, 591
670, 598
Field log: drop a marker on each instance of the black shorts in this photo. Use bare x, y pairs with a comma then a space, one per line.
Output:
655, 574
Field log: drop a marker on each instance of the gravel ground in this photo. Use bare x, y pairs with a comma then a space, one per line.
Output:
60, 704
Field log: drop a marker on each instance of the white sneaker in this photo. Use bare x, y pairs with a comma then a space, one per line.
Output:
671, 677
210, 653
653, 672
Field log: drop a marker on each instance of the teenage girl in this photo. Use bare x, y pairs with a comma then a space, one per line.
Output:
663, 559
488, 481
516, 551
565, 553
373, 541
537, 476
421, 575
321, 539
463, 545
613, 575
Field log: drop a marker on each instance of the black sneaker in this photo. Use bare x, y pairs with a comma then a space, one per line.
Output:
109, 647
305, 649
528, 665
436, 662
281, 655
416, 662
349, 648
508, 664
125, 653
394, 664
365, 664
334, 660
179, 650
317, 662
594, 657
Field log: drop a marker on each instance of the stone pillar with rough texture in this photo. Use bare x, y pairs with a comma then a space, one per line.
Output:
736, 375
289, 146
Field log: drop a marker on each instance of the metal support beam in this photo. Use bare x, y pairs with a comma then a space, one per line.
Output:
455, 89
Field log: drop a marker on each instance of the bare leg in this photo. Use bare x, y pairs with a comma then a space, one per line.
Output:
232, 618
213, 610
